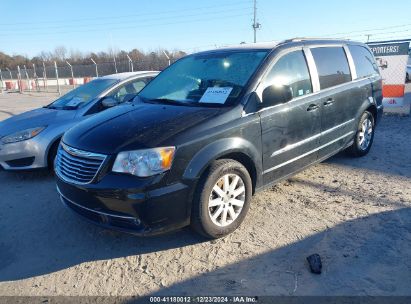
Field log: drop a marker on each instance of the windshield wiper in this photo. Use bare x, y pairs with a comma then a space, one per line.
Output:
69, 107
168, 101
50, 107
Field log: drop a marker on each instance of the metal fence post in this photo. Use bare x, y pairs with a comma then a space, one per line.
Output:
27, 77
45, 83
72, 74
57, 77
11, 77
19, 84
168, 57
115, 63
1, 81
36, 78
130, 64
96, 66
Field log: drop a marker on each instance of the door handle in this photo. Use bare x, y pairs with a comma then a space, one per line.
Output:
328, 102
312, 107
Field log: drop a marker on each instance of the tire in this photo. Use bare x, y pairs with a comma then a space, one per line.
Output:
362, 144
229, 198
407, 78
52, 156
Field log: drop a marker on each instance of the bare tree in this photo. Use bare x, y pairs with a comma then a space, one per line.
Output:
60, 53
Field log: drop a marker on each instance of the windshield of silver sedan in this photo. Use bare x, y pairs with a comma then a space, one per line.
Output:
83, 94
209, 79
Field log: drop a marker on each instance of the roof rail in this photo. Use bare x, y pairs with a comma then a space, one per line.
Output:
298, 39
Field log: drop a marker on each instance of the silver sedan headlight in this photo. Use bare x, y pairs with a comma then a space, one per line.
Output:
22, 135
144, 163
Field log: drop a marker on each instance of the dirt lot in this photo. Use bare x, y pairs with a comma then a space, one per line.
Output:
356, 213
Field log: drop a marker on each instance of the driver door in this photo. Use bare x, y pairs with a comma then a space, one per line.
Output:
290, 131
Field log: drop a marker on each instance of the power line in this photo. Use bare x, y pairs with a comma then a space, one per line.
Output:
196, 9
138, 26
378, 34
364, 31
128, 22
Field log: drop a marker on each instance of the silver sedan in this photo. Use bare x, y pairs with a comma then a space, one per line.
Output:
30, 140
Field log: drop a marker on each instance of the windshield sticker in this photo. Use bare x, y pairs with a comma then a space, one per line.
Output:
74, 102
216, 95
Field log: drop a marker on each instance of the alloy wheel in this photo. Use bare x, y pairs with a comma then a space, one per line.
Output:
226, 200
365, 134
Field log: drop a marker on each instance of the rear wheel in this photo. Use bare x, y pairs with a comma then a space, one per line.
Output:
222, 199
407, 77
364, 137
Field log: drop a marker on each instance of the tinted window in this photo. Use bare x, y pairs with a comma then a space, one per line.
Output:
332, 66
291, 70
364, 61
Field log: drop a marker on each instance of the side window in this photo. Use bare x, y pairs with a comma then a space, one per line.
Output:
131, 87
364, 61
291, 70
332, 66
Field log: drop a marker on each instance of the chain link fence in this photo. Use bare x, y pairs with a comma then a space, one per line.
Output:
58, 77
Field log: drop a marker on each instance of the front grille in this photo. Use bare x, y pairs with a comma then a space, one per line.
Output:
77, 166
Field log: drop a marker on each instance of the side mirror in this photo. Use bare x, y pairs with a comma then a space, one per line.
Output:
109, 102
276, 94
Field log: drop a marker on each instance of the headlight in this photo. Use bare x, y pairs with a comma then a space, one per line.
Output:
22, 135
144, 162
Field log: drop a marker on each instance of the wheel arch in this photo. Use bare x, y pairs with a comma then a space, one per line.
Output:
53, 143
373, 110
236, 148
247, 162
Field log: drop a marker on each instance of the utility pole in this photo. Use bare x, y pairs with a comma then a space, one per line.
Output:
368, 37
255, 25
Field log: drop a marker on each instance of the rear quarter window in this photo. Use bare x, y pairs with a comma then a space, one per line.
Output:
332, 66
364, 61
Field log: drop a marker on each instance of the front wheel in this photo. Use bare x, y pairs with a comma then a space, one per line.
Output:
364, 137
222, 199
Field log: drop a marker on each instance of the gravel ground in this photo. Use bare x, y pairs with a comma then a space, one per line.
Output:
355, 213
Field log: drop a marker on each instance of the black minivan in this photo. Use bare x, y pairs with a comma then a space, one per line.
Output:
214, 128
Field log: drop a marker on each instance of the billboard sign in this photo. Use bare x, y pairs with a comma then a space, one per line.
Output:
392, 61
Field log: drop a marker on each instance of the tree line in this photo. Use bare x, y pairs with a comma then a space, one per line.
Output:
145, 60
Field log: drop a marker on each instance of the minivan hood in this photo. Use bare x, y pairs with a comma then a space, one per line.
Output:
35, 118
135, 126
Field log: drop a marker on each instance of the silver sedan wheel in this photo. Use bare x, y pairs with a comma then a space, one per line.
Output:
226, 200
365, 134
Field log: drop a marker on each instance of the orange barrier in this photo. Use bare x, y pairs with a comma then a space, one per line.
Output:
87, 79
10, 85
393, 90
72, 81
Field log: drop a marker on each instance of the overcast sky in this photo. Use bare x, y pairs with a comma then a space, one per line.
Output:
28, 27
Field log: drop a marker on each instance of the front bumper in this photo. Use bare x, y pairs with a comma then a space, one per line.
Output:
130, 204
24, 155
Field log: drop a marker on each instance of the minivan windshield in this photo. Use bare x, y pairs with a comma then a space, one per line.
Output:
216, 78
82, 95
